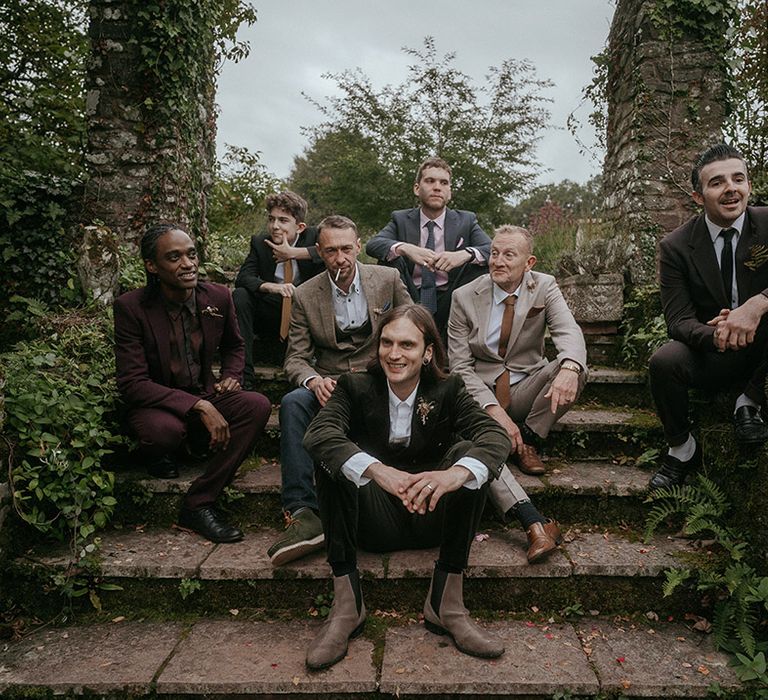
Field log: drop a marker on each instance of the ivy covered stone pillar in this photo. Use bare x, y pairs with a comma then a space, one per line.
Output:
665, 83
151, 124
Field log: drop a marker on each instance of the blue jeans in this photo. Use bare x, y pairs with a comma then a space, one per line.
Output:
297, 468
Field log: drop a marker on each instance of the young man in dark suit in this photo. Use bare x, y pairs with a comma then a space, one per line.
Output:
714, 290
403, 458
435, 249
166, 336
278, 262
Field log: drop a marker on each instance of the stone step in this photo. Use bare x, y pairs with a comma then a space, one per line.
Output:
166, 570
585, 432
601, 492
605, 384
396, 657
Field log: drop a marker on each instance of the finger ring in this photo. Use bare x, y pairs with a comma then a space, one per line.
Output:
430, 487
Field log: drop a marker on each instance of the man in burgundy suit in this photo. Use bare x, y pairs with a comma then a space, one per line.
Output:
166, 336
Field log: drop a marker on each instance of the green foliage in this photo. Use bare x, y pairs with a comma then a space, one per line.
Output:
321, 605
702, 19
739, 592
42, 129
747, 125
645, 329
59, 397
487, 133
236, 206
574, 199
188, 586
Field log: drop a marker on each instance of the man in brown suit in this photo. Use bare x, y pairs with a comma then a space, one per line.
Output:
496, 344
333, 322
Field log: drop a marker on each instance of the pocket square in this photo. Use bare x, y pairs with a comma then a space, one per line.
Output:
534, 311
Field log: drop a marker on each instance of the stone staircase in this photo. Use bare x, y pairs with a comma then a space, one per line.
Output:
194, 619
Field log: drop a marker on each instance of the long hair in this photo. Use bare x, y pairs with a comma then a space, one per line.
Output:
149, 252
421, 317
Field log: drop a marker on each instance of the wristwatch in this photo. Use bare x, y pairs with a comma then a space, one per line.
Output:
571, 366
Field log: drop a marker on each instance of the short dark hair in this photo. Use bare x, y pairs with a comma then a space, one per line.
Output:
421, 317
291, 202
336, 221
720, 151
433, 162
148, 248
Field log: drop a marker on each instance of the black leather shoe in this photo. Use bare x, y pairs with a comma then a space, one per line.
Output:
674, 471
749, 426
206, 522
163, 468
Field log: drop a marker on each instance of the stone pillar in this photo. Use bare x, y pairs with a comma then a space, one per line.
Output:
666, 102
149, 153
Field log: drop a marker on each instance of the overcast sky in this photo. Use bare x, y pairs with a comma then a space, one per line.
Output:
295, 41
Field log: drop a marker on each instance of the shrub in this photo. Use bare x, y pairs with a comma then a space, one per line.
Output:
59, 398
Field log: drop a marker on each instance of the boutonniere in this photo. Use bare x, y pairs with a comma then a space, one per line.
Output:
531, 284
423, 409
380, 310
758, 256
212, 311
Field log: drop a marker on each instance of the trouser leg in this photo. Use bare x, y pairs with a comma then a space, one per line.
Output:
297, 409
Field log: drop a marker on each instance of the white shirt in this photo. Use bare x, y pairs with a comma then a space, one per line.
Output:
400, 418
350, 308
719, 244
280, 269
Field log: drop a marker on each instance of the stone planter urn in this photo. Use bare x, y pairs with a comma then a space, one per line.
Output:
595, 299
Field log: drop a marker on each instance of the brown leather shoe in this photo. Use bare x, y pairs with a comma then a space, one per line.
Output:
528, 461
454, 620
343, 623
542, 539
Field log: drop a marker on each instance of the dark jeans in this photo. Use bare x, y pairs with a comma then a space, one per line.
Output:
297, 409
161, 432
675, 368
378, 522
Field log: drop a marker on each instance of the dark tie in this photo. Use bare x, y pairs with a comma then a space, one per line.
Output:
428, 295
726, 263
502, 383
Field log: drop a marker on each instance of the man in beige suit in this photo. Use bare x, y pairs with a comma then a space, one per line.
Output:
333, 323
496, 343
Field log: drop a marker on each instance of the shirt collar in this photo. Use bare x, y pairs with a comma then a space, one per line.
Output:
394, 401
440, 220
714, 229
190, 303
499, 295
354, 288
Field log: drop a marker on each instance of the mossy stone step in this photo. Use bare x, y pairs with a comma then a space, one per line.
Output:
600, 492
231, 657
600, 569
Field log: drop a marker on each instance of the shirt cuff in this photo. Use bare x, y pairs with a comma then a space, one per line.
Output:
308, 380
354, 467
479, 260
478, 470
394, 250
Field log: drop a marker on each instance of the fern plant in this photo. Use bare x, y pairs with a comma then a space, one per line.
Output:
741, 594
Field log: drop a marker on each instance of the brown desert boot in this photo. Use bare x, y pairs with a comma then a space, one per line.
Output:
543, 538
343, 623
528, 461
454, 620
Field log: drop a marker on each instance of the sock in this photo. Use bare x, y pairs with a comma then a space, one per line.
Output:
530, 437
527, 514
685, 451
744, 400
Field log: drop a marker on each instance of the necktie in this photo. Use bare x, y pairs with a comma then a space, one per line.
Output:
502, 383
726, 263
428, 295
285, 312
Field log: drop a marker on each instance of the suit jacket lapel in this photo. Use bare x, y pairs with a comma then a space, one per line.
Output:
208, 327
522, 307
744, 275
483, 301
412, 229
160, 325
451, 229
705, 261
326, 314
